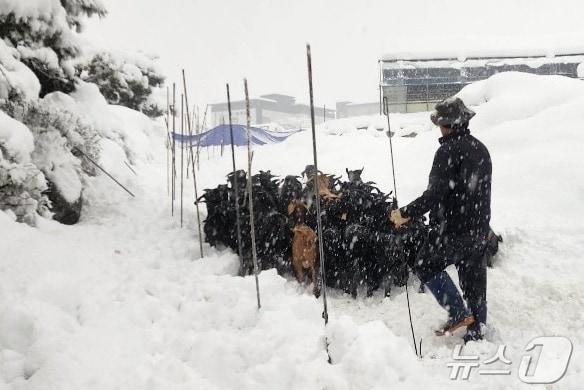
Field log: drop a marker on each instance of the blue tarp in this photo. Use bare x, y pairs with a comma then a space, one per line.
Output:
220, 136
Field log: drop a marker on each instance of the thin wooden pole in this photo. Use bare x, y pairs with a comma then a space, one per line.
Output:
193, 169
167, 143
205, 116
104, 171
190, 134
195, 132
200, 127
187, 163
321, 259
173, 146
182, 148
318, 214
198, 132
250, 192
236, 187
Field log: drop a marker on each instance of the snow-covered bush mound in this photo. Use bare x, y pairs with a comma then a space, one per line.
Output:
126, 137
129, 129
513, 96
532, 126
16, 139
54, 134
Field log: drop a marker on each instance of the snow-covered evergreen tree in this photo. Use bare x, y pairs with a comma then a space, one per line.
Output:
43, 33
50, 117
55, 167
21, 183
78, 10
125, 80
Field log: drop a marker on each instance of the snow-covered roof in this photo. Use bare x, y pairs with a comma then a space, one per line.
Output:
459, 62
469, 48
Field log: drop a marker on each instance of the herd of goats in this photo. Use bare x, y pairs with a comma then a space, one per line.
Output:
361, 246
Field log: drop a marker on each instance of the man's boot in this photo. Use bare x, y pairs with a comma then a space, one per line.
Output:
448, 296
474, 331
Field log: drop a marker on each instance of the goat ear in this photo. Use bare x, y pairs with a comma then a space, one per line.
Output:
291, 207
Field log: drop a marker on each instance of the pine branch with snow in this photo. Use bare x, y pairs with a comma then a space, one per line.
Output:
126, 80
42, 31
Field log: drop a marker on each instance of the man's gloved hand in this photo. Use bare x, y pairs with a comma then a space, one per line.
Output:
396, 218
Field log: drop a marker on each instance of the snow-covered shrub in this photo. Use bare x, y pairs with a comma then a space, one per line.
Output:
129, 129
22, 188
42, 117
21, 183
17, 81
125, 80
41, 55
59, 138
42, 32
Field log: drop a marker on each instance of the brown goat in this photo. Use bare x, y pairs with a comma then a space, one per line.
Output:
297, 211
324, 187
303, 246
303, 251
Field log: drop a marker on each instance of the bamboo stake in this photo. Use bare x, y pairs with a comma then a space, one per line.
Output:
236, 187
173, 146
130, 168
103, 170
250, 192
322, 270
190, 133
166, 142
188, 159
205, 116
201, 128
182, 148
193, 169
197, 131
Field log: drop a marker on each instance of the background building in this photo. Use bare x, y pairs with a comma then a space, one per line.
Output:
412, 85
272, 108
349, 109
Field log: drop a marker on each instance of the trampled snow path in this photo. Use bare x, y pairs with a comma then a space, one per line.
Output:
118, 302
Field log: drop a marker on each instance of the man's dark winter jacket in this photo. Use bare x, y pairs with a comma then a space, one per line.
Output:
459, 190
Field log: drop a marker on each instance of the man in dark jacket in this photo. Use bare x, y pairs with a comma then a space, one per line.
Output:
458, 199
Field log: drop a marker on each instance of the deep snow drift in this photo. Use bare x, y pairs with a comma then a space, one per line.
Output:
122, 300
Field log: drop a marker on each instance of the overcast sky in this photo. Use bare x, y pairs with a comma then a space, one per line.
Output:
220, 41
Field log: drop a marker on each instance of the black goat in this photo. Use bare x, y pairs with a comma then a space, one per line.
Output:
355, 175
361, 247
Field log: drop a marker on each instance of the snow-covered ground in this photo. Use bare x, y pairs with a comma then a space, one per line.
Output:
122, 299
